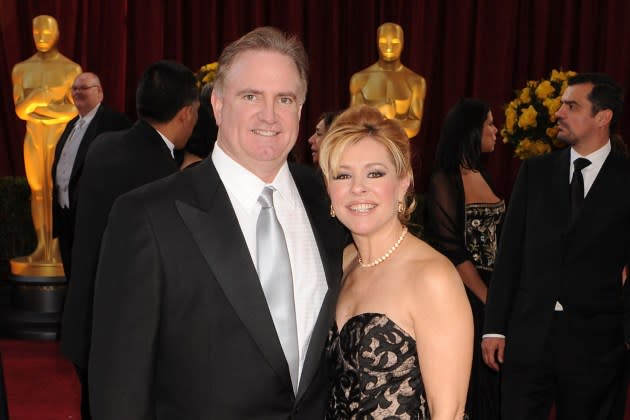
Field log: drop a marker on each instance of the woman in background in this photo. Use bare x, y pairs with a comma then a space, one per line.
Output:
464, 216
323, 125
401, 346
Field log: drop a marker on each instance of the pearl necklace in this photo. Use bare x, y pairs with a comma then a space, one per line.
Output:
387, 254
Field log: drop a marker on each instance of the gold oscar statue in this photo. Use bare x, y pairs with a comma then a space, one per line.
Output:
41, 92
388, 85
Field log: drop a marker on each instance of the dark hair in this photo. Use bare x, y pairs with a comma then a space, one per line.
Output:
606, 94
328, 117
165, 88
460, 140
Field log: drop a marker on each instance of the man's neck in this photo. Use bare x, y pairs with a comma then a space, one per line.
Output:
585, 148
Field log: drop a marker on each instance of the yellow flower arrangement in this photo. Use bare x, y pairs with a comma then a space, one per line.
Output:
206, 74
530, 120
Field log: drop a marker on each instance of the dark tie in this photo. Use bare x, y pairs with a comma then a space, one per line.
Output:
274, 271
577, 185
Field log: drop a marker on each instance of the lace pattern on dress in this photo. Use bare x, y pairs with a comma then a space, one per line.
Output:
376, 371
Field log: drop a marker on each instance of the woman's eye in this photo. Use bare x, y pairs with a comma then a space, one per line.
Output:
376, 174
341, 176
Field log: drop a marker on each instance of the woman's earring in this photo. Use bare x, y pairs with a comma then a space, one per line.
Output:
332, 212
401, 207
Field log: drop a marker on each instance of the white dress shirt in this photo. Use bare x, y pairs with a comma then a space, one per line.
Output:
168, 143
597, 158
68, 156
309, 279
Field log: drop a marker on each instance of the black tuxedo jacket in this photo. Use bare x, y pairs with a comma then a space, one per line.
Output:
544, 257
104, 120
181, 325
116, 163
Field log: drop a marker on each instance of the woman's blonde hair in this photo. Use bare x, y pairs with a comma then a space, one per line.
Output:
360, 122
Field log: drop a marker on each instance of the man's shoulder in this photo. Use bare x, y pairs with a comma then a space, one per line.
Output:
111, 119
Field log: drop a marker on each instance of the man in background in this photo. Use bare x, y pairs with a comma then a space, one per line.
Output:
94, 118
557, 311
167, 103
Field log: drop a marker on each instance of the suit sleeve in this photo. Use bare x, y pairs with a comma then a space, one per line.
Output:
507, 270
126, 316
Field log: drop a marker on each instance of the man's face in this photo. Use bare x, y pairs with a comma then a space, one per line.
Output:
86, 93
258, 111
45, 33
576, 122
390, 42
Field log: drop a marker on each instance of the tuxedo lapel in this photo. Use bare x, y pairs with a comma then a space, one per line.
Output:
604, 190
559, 198
315, 202
61, 143
88, 136
214, 227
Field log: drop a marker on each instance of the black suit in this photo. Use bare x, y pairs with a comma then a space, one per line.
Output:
104, 120
181, 325
116, 163
544, 258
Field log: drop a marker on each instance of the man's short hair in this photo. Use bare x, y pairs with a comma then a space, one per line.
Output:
165, 88
606, 94
264, 39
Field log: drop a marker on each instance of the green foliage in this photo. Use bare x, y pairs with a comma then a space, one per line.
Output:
17, 235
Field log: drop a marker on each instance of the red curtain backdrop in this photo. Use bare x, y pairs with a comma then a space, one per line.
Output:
480, 48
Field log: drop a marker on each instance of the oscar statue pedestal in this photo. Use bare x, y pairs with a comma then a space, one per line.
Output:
37, 294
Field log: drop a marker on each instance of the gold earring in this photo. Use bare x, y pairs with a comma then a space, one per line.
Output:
332, 212
401, 207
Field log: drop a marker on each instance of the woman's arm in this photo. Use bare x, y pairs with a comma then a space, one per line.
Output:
472, 280
444, 334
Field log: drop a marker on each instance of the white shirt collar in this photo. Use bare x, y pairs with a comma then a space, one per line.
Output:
87, 118
246, 187
597, 158
168, 143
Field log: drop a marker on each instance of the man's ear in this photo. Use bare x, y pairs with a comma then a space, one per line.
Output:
604, 117
217, 107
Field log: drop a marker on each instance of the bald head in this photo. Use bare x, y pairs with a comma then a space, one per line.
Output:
87, 92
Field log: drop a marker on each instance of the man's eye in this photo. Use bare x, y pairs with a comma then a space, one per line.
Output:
249, 97
286, 100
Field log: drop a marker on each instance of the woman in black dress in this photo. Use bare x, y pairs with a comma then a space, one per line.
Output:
464, 216
401, 346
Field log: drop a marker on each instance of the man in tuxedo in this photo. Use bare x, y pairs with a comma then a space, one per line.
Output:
117, 162
94, 118
197, 315
556, 316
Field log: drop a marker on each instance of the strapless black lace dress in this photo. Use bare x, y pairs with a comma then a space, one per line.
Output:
376, 371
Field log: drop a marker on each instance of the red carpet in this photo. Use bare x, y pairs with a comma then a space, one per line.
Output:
40, 383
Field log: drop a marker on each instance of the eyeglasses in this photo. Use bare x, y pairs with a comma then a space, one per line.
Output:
82, 88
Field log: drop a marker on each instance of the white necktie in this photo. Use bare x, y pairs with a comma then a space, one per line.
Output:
274, 271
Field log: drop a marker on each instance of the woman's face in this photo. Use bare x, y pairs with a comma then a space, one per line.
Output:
316, 139
365, 190
488, 134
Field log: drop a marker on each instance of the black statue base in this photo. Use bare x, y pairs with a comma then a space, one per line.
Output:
36, 306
